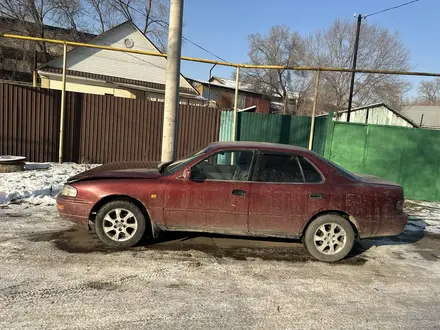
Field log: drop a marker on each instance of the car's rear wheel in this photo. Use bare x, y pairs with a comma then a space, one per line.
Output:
329, 238
120, 224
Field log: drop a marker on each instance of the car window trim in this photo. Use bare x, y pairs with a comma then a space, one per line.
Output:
301, 169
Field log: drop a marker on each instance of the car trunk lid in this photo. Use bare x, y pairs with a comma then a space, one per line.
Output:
375, 179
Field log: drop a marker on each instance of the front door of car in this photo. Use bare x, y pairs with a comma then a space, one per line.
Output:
286, 190
216, 198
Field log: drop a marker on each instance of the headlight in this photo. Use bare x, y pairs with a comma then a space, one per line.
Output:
69, 191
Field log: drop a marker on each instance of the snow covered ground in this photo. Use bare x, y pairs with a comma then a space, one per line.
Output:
423, 216
39, 183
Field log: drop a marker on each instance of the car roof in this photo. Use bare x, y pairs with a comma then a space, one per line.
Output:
257, 145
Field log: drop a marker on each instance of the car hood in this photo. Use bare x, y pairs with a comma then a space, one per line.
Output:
375, 179
121, 170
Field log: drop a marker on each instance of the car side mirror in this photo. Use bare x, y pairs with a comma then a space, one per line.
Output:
186, 175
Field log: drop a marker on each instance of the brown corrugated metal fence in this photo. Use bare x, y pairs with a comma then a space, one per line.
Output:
98, 129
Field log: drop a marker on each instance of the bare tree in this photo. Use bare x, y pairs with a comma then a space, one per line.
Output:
280, 47
150, 15
104, 14
378, 49
71, 13
23, 12
429, 92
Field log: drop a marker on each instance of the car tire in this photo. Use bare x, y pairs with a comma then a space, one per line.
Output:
329, 238
120, 224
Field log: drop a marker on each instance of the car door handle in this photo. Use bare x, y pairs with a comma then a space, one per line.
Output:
239, 192
316, 196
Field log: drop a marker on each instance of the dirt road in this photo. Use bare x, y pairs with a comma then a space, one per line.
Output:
55, 275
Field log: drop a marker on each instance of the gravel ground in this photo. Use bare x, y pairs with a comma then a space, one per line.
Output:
56, 275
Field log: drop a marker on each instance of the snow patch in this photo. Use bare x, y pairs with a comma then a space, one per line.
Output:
38, 184
423, 216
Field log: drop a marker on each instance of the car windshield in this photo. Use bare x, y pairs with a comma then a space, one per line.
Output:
181, 163
340, 169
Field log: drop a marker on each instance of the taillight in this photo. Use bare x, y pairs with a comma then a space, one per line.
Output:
399, 206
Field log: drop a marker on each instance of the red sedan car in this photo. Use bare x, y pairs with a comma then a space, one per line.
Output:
242, 188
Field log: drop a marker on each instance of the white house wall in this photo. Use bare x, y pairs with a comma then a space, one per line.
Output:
119, 64
377, 115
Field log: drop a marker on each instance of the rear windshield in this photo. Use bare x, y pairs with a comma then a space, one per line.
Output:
340, 169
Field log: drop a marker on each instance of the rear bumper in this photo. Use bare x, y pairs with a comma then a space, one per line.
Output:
393, 225
74, 209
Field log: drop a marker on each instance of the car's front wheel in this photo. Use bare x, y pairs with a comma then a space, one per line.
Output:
120, 224
329, 238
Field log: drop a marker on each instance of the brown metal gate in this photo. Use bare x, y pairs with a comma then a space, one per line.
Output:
98, 128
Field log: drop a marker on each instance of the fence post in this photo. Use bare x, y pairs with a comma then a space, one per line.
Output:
315, 101
329, 135
234, 122
63, 101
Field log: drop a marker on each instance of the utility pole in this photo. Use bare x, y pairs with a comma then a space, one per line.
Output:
355, 54
169, 142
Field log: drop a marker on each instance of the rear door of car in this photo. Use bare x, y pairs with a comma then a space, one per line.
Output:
287, 189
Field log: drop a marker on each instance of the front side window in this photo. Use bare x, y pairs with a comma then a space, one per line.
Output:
278, 168
181, 163
224, 166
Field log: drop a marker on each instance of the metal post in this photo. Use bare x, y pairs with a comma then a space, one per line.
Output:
355, 54
63, 98
34, 71
169, 141
209, 83
315, 101
234, 127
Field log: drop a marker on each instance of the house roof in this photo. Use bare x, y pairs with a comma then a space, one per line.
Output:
111, 79
241, 87
135, 69
17, 26
377, 105
430, 113
229, 83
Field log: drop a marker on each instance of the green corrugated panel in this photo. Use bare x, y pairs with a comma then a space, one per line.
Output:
294, 130
420, 167
262, 127
409, 156
300, 131
385, 149
226, 120
348, 145
320, 135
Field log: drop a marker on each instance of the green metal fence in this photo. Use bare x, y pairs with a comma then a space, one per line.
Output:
409, 156
294, 130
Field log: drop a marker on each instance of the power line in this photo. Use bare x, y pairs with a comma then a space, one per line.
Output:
391, 8
183, 37
218, 57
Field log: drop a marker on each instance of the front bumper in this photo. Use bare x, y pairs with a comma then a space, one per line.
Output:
74, 209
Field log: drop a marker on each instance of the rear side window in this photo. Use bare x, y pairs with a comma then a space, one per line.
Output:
311, 174
278, 168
